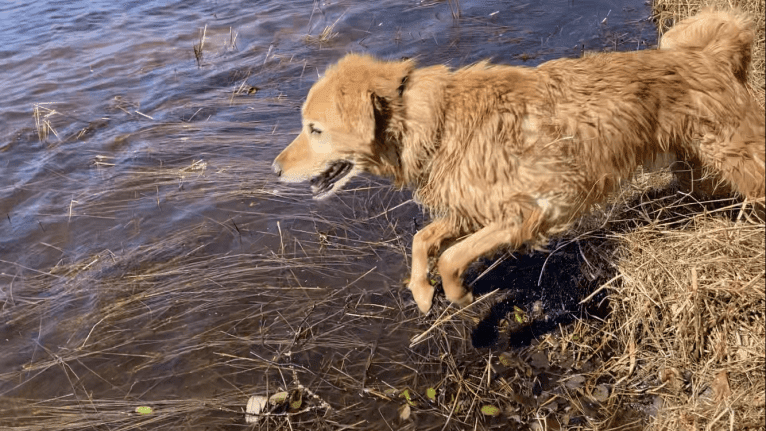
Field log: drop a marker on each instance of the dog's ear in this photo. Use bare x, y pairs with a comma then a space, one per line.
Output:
386, 155
386, 100
381, 109
378, 103
364, 88
390, 79
389, 84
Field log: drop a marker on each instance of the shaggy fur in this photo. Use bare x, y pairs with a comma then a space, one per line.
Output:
505, 155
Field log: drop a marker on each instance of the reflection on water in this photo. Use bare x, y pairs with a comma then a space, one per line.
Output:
157, 160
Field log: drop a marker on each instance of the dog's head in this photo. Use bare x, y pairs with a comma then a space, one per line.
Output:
346, 125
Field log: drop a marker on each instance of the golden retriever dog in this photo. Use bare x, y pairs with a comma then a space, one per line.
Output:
505, 155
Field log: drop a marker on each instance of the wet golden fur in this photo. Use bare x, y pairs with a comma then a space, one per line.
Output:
504, 155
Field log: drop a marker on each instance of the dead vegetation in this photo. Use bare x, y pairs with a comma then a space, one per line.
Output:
327, 34
199, 48
690, 313
42, 115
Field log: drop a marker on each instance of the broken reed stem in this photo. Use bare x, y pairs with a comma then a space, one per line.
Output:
441, 320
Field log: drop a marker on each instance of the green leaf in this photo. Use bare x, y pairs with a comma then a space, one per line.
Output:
431, 394
601, 393
406, 395
278, 398
490, 410
144, 410
519, 314
296, 403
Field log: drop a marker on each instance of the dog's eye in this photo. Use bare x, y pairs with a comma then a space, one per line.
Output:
314, 130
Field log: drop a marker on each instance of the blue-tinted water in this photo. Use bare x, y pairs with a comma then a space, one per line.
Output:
123, 81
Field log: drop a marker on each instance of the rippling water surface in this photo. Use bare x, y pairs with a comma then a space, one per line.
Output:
121, 89
117, 139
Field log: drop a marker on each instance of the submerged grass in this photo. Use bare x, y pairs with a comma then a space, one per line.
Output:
327, 34
192, 332
42, 115
199, 48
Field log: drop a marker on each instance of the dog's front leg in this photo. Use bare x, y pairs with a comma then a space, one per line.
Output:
456, 259
424, 244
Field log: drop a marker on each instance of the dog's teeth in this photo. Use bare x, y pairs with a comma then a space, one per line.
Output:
325, 181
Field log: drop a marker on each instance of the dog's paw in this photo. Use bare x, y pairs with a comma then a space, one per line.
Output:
455, 292
465, 300
423, 293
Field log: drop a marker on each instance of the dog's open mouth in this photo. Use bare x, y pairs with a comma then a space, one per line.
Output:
323, 183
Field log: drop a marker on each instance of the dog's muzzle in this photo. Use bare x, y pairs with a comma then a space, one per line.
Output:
276, 168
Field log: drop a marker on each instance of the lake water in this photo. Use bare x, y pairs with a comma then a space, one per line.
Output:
136, 141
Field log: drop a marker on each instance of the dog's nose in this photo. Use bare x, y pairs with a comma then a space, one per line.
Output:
276, 168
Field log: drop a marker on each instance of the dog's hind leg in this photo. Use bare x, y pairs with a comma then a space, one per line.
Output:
456, 259
426, 243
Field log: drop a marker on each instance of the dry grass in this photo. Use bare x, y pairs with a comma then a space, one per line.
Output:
199, 48
42, 115
326, 35
690, 312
